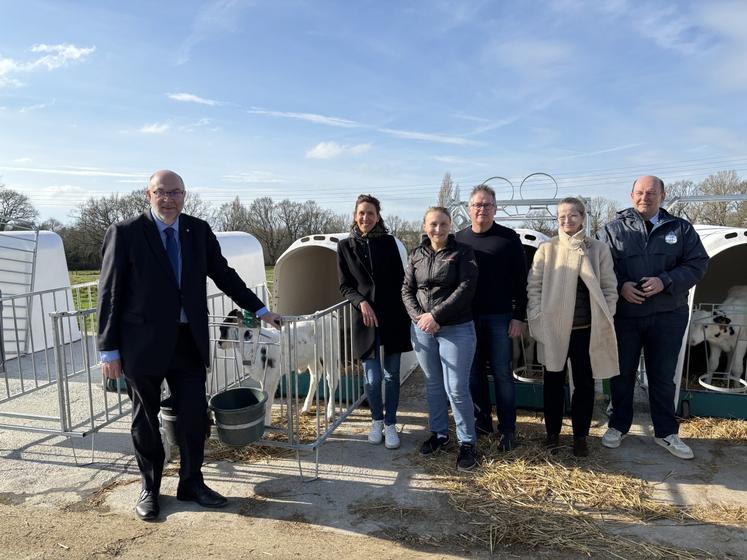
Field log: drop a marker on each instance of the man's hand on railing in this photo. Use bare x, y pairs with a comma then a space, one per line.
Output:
272, 319
112, 370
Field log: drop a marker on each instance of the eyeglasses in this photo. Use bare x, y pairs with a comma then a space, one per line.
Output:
482, 205
162, 194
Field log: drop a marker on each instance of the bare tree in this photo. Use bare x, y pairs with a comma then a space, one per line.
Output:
447, 191
232, 216
15, 207
51, 224
409, 233
691, 211
600, 211
263, 224
540, 221
724, 213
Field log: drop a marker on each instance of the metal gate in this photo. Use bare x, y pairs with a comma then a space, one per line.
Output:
305, 408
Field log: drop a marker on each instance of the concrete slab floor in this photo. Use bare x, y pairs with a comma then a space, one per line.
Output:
363, 490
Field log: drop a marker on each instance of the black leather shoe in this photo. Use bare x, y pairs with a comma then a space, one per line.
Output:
202, 495
147, 507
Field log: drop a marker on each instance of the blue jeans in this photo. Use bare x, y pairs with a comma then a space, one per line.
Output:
494, 345
445, 358
374, 372
660, 338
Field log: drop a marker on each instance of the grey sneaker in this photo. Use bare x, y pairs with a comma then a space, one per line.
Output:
675, 446
376, 433
612, 438
391, 437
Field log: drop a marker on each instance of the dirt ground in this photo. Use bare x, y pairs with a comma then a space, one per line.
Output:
368, 502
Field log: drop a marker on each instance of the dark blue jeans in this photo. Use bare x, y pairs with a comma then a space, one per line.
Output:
660, 338
376, 369
494, 345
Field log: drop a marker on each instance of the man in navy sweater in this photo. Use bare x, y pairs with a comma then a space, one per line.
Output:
499, 310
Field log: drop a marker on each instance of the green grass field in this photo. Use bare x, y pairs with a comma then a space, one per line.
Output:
86, 298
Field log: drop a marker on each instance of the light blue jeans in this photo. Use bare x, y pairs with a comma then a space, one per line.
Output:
446, 359
382, 366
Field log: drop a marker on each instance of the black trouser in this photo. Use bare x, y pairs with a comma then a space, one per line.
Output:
582, 401
186, 379
660, 337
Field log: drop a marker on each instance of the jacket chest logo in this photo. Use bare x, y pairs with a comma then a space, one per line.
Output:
671, 238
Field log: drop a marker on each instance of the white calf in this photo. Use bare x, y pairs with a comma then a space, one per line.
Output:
261, 352
725, 330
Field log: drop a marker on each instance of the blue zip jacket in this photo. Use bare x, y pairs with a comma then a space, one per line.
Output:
672, 251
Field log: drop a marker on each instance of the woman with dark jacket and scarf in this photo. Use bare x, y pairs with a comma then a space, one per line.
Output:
439, 285
370, 272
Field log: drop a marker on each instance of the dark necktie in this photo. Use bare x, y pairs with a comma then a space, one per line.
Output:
649, 226
172, 251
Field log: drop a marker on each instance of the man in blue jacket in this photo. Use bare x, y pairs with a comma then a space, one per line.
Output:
658, 258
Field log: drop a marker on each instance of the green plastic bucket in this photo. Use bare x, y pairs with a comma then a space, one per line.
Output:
239, 415
168, 420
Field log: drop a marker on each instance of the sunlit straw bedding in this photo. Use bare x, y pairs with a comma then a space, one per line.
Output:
535, 499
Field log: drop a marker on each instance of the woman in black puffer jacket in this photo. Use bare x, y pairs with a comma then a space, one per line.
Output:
370, 272
440, 282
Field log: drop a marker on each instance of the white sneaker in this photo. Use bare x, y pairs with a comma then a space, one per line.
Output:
391, 437
675, 446
375, 434
612, 438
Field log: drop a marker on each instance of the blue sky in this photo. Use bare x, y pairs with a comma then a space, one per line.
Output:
326, 99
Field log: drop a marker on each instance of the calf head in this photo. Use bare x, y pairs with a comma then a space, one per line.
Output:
233, 329
713, 326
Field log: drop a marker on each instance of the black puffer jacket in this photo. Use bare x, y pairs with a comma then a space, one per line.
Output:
370, 269
672, 251
442, 283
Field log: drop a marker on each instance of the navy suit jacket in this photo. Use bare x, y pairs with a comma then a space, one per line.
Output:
140, 302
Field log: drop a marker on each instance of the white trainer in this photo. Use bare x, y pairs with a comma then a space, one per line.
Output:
675, 446
391, 437
612, 438
375, 434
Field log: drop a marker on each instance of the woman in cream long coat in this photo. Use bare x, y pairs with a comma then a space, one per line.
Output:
572, 293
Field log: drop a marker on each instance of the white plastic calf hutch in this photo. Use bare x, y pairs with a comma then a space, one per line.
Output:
36, 348
306, 280
244, 254
715, 393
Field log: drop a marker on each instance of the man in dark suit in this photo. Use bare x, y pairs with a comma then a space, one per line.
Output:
153, 325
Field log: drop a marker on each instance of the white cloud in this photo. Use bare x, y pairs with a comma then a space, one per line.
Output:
63, 189
668, 28
453, 160
728, 20
54, 56
37, 107
191, 98
253, 177
536, 58
77, 171
330, 150
59, 55
309, 117
216, 17
200, 124
428, 137
154, 128
22, 160
603, 151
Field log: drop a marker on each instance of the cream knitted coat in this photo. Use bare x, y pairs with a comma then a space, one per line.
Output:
552, 297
